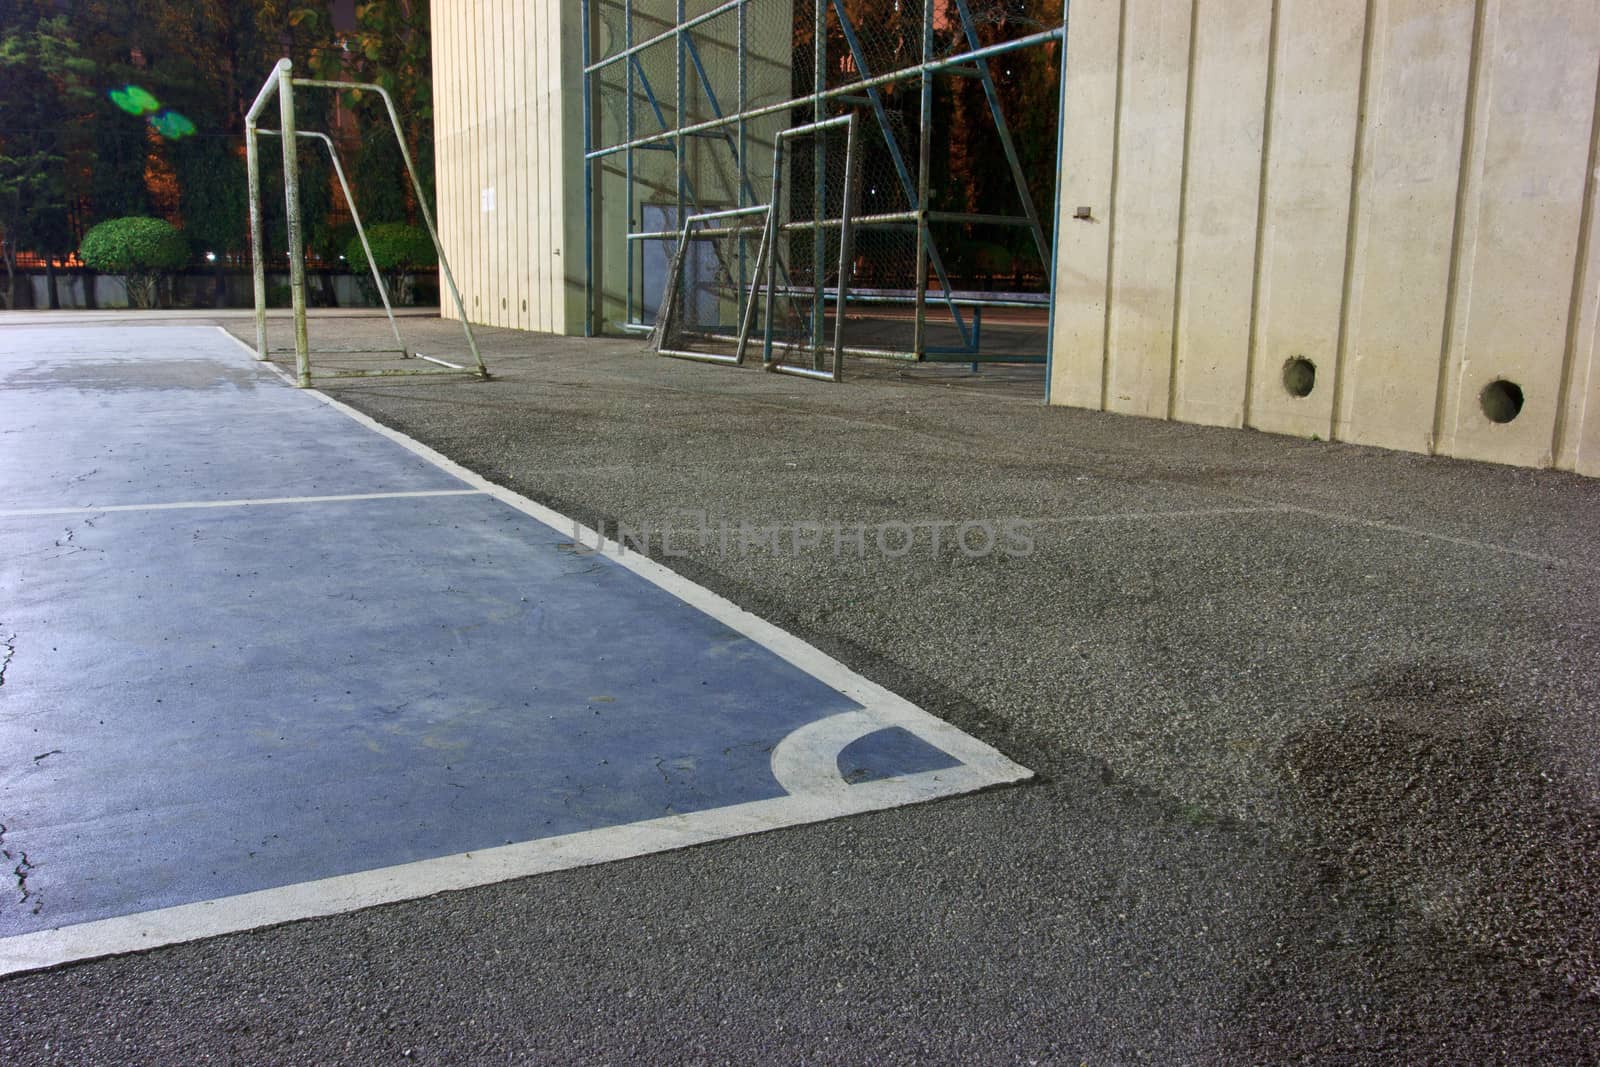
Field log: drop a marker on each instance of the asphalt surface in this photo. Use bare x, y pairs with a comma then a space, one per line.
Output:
1316, 727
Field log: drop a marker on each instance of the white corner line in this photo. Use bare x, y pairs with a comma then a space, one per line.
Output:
180, 505
466, 870
801, 765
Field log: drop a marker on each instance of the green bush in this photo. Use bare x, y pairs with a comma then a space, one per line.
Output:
140, 248
398, 250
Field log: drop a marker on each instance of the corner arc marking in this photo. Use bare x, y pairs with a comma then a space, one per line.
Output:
806, 761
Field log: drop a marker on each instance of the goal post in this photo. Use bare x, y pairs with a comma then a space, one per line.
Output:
281, 84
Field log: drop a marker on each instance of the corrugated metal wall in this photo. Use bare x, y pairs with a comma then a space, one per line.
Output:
1399, 193
508, 153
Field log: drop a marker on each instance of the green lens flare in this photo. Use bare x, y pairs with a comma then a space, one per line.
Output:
172, 126
134, 100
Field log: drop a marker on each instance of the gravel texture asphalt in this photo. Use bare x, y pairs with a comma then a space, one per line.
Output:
1318, 731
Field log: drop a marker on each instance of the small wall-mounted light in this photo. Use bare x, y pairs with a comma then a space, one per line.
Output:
1084, 213
211, 257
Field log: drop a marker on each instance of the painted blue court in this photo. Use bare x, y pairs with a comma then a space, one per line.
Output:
262, 660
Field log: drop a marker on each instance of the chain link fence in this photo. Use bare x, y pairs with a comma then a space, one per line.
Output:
688, 101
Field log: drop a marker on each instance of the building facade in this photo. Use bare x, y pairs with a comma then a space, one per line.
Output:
1369, 221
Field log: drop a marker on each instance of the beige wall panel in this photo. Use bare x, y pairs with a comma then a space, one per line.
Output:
1406, 203
519, 220
1144, 253
1305, 210
472, 252
1088, 130
506, 76
537, 264
482, 126
1519, 240
1578, 430
438, 63
445, 127
463, 257
505, 174
493, 131
1217, 246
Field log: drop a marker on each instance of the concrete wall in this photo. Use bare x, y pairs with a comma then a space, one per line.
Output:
1388, 201
507, 80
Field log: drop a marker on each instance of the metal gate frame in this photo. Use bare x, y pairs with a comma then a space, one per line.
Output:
730, 128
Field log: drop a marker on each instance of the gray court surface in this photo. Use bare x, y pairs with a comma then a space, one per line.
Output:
266, 662
1315, 732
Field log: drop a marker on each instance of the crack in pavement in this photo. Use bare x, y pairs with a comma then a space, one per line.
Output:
21, 871
8, 648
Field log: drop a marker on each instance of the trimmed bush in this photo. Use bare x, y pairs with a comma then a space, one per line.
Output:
398, 250
140, 248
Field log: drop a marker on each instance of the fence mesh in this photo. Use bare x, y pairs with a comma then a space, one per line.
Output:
726, 73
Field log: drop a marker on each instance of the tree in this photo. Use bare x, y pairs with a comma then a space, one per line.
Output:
398, 250
140, 248
42, 79
388, 46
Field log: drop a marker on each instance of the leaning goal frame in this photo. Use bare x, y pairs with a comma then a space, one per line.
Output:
281, 84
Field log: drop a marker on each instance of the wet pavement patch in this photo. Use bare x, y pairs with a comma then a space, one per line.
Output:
1431, 790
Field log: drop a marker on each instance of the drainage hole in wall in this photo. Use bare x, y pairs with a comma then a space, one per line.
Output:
1501, 400
1299, 376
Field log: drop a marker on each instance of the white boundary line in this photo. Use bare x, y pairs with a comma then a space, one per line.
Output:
259, 502
814, 797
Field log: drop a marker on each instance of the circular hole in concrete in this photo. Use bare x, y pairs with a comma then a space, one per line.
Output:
1501, 400
1299, 376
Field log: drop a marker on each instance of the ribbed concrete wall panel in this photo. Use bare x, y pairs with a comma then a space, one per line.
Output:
1222, 174
508, 158
1088, 141
1370, 220
1305, 210
1144, 253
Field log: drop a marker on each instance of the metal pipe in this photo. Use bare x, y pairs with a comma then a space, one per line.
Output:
588, 177
904, 74
291, 200
743, 101
258, 252
679, 110
924, 164
627, 172
268, 88
441, 362
846, 246
704, 216
345, 352
711, 231
819, 176
771, 241
720, 9
747, 320
979, 219
1055, 226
